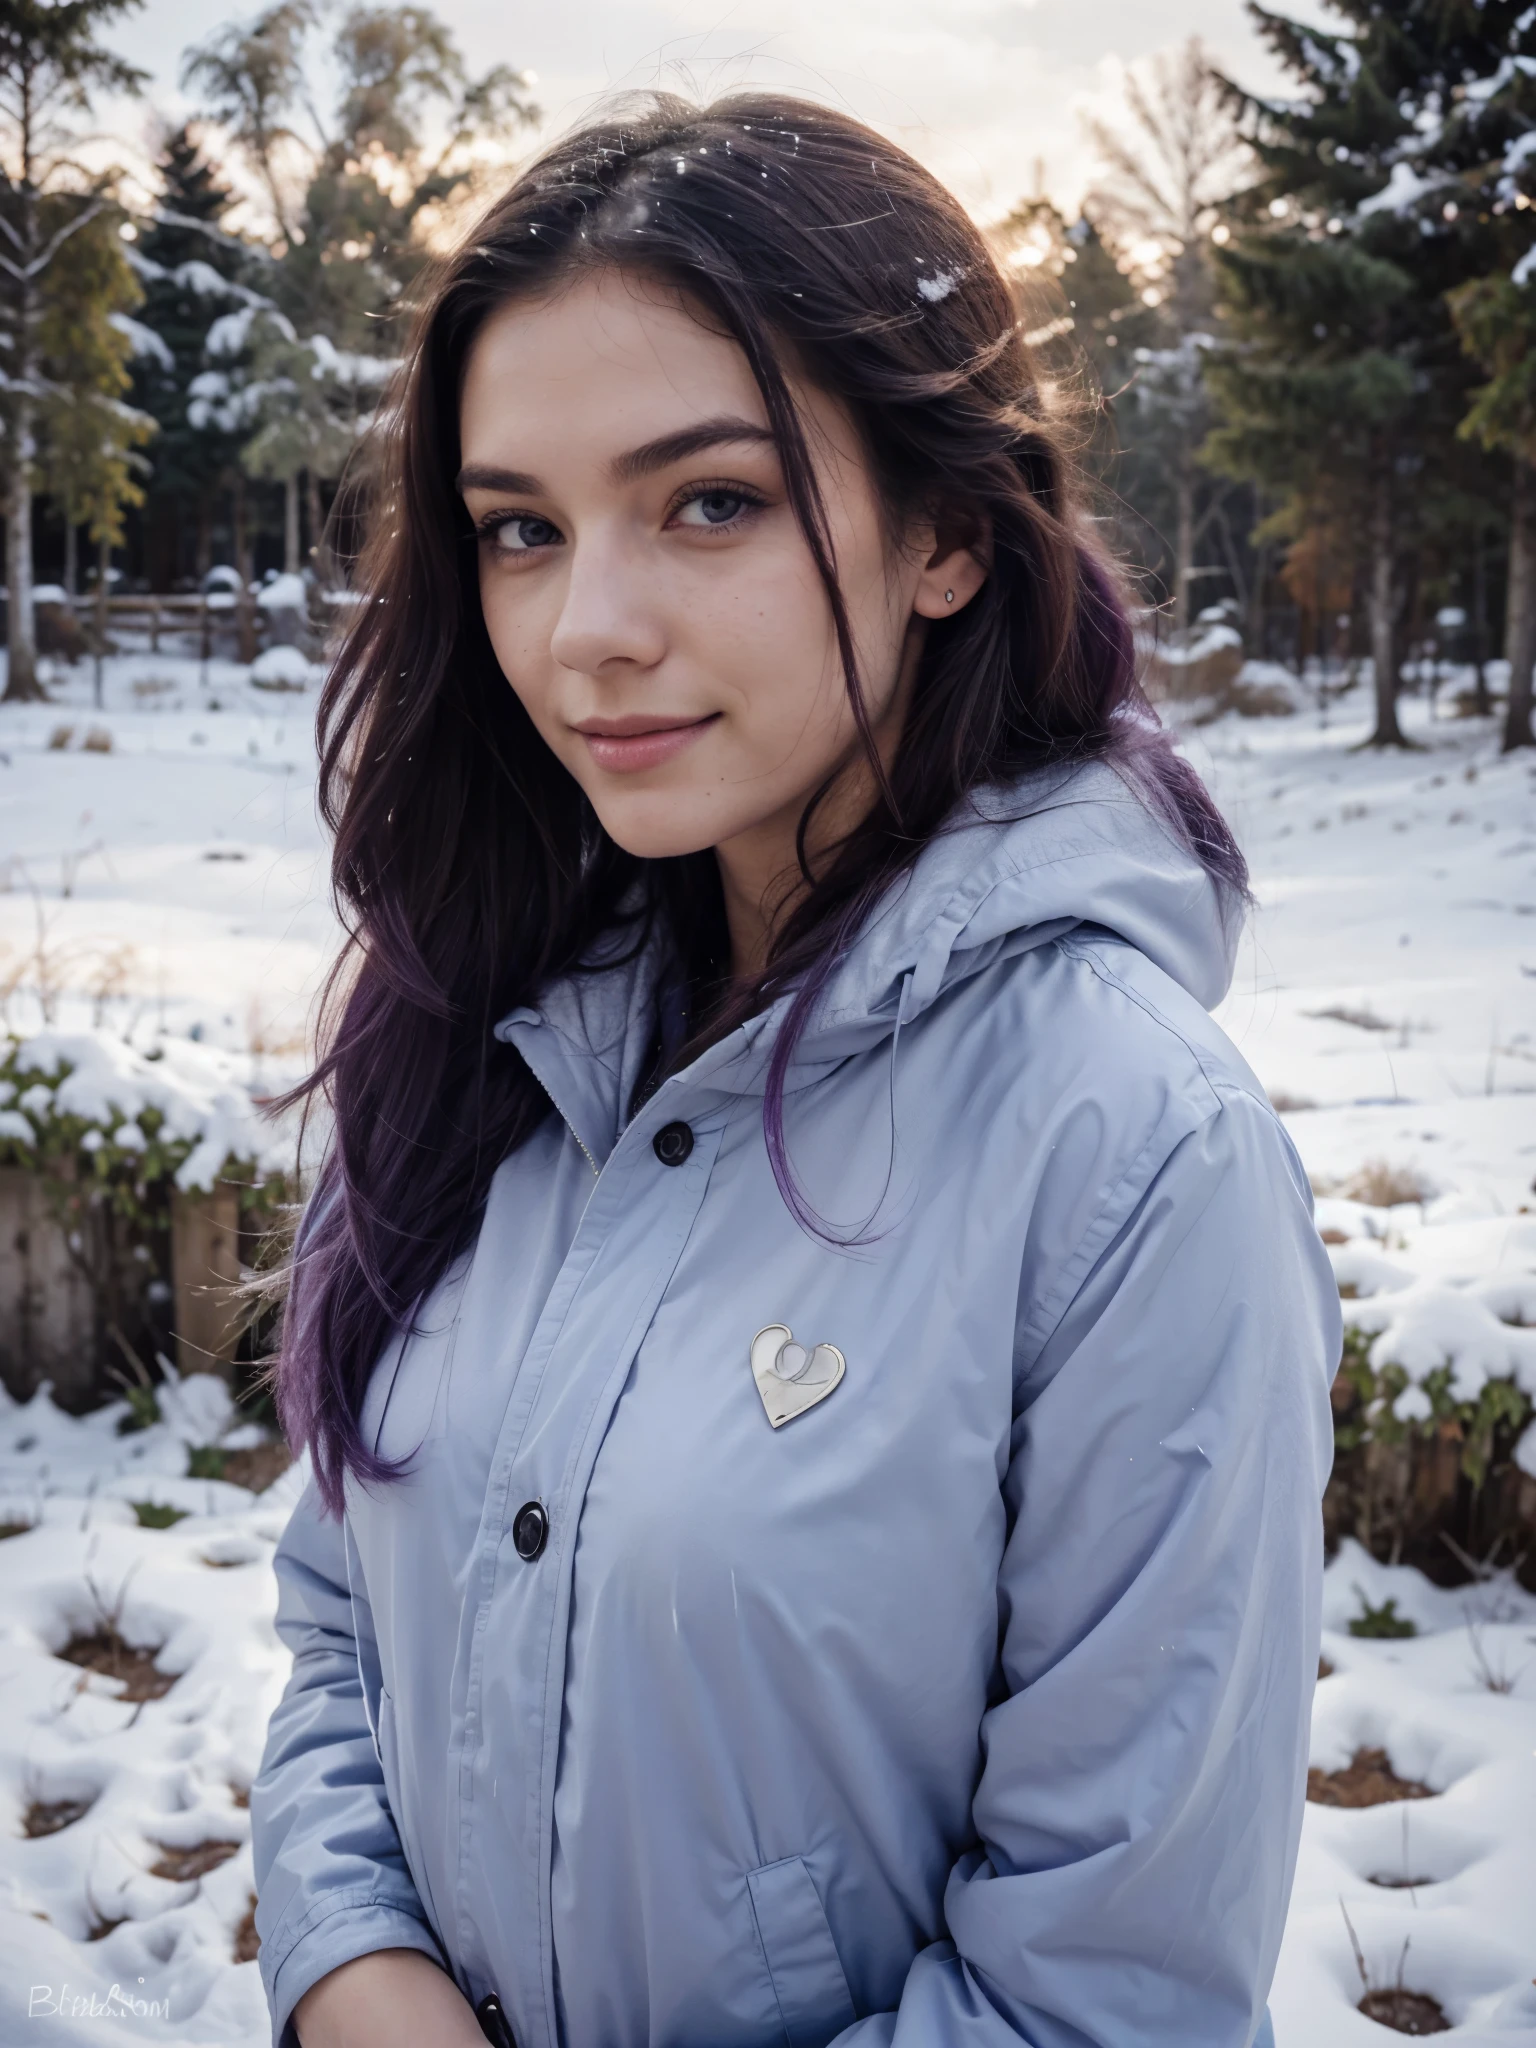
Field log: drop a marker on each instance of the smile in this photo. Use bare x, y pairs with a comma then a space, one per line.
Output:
625, 745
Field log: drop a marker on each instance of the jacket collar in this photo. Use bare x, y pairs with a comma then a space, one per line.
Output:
1010, 870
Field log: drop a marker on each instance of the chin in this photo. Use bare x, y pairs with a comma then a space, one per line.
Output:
660, 825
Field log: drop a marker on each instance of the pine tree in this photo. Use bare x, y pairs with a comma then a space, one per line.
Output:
192, 271
1345, 395
1469, 180
51, 62
89, 436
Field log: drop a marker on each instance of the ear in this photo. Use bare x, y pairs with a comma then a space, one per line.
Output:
954, 571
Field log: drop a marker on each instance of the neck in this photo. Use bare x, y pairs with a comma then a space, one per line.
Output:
760, 873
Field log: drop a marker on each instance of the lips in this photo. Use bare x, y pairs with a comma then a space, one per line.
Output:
625, 745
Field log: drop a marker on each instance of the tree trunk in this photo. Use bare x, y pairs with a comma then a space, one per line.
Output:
203, 548
1520, 619
21, 631
1482, 703
21, 682
319, 551
1184, 556
1381, 602
291, 524
71, 559
245, 611
103, 592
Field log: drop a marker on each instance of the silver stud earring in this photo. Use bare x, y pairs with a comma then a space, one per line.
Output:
949, 597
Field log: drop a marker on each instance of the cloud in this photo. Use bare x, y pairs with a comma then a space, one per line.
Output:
980, 90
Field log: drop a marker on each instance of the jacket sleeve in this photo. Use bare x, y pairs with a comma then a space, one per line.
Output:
1139, 1805
331, 1879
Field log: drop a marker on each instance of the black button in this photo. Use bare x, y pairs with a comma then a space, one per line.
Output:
530, 1530
672, 1144
493, 2022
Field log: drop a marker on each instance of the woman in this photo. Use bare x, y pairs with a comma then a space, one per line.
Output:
813, 1346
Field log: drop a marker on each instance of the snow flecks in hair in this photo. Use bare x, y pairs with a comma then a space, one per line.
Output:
937, 287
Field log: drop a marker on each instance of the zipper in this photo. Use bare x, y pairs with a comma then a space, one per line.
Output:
559, 1112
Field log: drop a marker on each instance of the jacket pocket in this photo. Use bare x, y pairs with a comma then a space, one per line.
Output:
387, 1742
802, 1958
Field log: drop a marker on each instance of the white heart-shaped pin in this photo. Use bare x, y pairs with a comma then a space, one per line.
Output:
790, 1377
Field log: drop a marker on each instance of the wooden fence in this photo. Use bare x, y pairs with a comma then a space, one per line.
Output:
50, 1315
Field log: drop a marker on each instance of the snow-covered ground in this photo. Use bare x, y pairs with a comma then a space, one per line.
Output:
174, 881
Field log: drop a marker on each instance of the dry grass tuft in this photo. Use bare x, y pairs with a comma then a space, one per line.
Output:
1364, 1018
1381, 1185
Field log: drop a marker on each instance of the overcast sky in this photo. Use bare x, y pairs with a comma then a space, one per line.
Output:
979, 89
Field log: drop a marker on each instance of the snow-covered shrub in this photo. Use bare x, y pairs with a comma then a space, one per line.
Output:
1433, 1424
280, 668
285, 601
109, 1137
127, 1118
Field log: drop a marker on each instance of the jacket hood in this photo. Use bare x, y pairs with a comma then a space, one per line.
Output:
1016, 868
1012, 869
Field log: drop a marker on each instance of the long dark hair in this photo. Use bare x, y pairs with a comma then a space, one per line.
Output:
470, 869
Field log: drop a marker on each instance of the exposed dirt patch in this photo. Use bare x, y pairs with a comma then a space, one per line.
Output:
13, 1528
1368, 1779
1405, 2012
1332, 1236
48, 1816
181, 1864
257, 1467
1402, 1884
1324, 1669
241, 1795
105, 1651
100, 1929
247, 1940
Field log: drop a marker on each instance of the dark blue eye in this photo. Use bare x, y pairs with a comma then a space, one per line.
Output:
522, 535
713, 508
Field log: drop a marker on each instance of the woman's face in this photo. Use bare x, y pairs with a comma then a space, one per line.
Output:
647, 589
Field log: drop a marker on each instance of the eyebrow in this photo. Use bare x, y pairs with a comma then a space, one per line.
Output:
642, 461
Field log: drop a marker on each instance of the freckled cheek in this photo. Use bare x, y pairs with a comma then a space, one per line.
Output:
769, 639
520, 635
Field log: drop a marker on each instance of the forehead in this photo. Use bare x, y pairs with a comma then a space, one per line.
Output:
606, 362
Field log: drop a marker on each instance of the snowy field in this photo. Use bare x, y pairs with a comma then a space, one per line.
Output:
161, 870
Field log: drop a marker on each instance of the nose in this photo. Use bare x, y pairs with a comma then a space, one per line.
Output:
611, 614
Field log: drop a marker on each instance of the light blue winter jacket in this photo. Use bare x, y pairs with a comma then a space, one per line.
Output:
966, 1709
